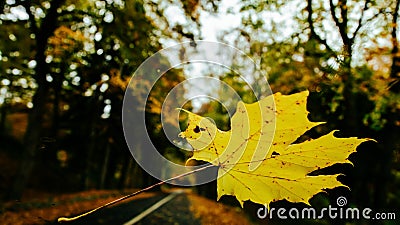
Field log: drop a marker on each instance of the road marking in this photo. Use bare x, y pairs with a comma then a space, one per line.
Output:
152, 208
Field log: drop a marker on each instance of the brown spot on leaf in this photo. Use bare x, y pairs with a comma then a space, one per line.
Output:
196, 129
274, 154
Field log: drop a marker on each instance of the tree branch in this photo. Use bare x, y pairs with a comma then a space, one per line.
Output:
313, 34
365, 8
332, 9
342, 26
343, 15
395, 50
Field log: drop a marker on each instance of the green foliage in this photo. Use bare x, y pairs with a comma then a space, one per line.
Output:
89, 56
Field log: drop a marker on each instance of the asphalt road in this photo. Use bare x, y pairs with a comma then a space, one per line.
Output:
176, 211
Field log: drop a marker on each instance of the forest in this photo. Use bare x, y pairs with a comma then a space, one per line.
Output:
65, 66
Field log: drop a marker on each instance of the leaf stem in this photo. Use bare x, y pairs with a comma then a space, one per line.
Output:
69, 219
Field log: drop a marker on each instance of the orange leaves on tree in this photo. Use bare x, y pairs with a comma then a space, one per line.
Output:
64, 40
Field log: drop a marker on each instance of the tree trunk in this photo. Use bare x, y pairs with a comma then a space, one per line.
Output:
351, 120
104, 169
91, 147
395, 68
128, 180
31, 142
34, 129
3, 115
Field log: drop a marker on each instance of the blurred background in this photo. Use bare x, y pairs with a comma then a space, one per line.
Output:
65, 64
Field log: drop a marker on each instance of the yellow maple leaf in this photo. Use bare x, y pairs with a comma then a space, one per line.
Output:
256, 158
